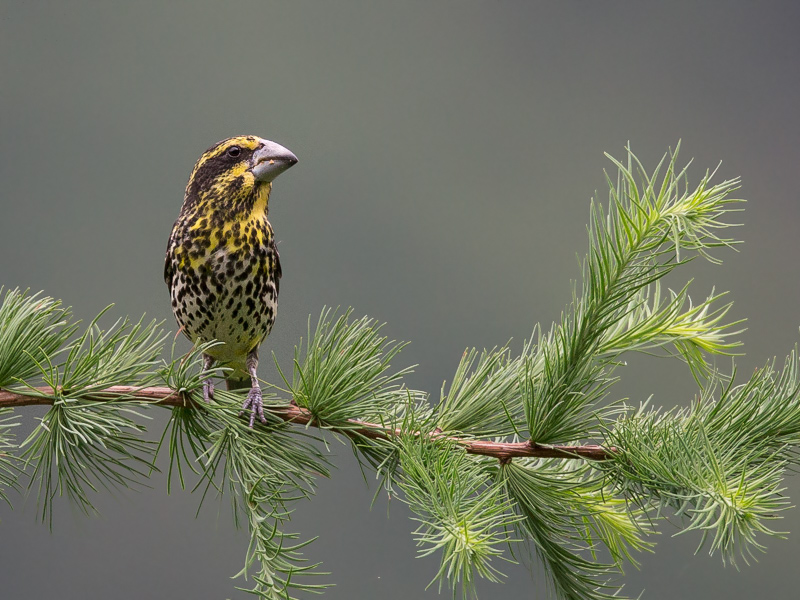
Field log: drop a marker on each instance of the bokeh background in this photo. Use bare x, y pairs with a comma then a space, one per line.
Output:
448, 151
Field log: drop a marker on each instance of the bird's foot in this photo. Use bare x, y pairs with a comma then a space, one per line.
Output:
255, 405
208, 390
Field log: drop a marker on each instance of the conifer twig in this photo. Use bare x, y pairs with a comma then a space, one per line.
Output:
292, 413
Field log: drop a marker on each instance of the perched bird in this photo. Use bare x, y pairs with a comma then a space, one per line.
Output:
222, 266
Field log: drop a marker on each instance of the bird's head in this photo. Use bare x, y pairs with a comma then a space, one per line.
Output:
236, 172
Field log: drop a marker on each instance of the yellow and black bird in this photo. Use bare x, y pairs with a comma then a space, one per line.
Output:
222, 266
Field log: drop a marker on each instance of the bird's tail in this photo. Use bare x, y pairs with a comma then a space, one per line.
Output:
237, 378
237, 383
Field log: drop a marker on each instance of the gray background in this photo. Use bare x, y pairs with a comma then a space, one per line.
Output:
448, 151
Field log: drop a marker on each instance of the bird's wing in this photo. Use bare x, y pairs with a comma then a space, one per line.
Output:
169, 259
276, 265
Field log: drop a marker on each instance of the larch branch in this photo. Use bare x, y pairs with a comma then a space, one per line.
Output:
164, 396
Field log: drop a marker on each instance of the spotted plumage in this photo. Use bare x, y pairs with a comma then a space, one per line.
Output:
222, 265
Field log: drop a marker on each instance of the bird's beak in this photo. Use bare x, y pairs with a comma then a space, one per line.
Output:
271, 160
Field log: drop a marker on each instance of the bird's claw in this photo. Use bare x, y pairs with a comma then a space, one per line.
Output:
208, 390
255, 404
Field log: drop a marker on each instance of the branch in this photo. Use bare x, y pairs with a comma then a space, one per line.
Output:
292, 413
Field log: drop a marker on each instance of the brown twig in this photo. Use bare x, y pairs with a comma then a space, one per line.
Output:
163, 396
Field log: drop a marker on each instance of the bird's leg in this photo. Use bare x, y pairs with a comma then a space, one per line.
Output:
254, 401
208, 383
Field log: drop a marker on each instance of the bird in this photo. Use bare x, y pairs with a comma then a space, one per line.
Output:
222, 266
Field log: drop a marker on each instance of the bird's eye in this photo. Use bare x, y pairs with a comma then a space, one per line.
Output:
234, 151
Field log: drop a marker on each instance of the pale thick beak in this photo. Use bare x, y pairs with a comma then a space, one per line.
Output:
271, 160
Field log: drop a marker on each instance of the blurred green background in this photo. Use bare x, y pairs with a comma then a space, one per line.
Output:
448, 151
